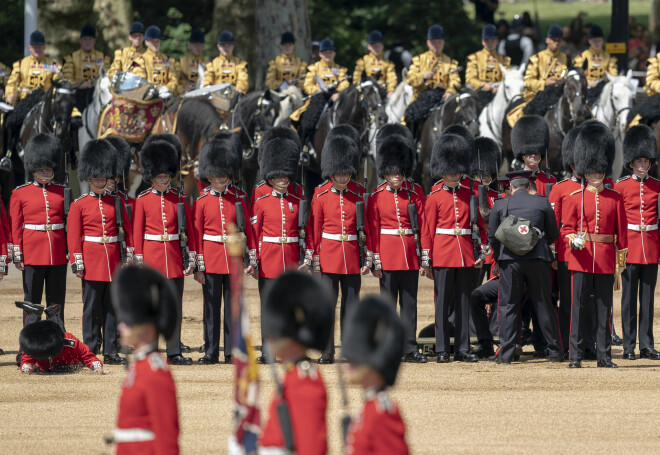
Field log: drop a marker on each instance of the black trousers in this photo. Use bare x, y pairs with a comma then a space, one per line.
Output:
99, 324
214, 289
485, 327
484, 273
54, 276
401, 287
452, 286
174, 342
263, 288
565, 298
350, 295
638, 279
517, 279
600, 286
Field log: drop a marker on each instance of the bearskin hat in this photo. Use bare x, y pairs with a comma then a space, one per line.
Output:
486, 160
530, 135
43, 150
374, 337
123, 154
142, 295
97, 159
594, 149
639, 142
41, 340
158, 157
338, 156
348, 131
463, 132
278, 133
298, 306
568, 148
236, 144
171, 139
395, 150
218, 157
450, 155
279, 154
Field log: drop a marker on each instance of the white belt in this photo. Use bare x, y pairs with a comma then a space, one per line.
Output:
133, 435
279, 239
339, 237
104, 239
643, 227
396, 231
216, 238
44, 227
161, 237
456, 231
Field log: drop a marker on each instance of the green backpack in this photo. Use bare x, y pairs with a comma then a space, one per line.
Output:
517, 234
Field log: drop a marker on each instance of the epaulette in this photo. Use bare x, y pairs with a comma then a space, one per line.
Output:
262, 183
322, 193
204, 194
623, 178
612, 189
381, 185
68, 342
435, 190
175, 191
81, 197
23, 185
144, 193
261, 197
306, 369
384, 403
379, 189
562, 181
325, 182
465, 187
58, 184
293, 195
156, 361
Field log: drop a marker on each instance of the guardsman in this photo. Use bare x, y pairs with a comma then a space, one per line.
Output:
337, 253
373, 346
156, 229
85, 64
375, 66
434, 69
226, 68
36, 211
294, 322
214, 212
528, 273
398, 251
188, 66
124, 57
447, 213
548, 67
530, 139
595, 61
640, 199
155, 66
32, 72
286, 67
147, 417
594, 221
482, 71
557, 197
275, 214
95, 247
124, 157
334, 79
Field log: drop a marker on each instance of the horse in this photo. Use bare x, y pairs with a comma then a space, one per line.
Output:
400, 99
611, 108
90, 116
460, 109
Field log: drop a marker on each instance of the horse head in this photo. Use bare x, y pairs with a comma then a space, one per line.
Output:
621, 93
462, 109
268, 109
512, 82
102, 88
574, 106
291, 99
59, 102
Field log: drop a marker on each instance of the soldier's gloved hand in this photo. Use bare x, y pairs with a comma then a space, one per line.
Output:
576, 242
164, 92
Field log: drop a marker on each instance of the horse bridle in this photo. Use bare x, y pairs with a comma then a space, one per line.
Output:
459, 108
369, 111
52, 127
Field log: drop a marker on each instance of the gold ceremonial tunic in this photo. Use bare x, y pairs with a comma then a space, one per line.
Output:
188, 70
30, 73
329, 73
652, 85
157, 68
542, 66
84, 66
124, 59
231, 70
5, 71
598, 64
440, 65
377, 67
285, 67
484, 66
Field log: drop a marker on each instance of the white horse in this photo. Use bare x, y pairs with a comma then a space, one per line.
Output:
400, 99
612, 109
90, 116
291, 99
492, 116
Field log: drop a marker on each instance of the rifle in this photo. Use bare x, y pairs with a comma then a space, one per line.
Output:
414, 223
474, 219
68, 195
181, 224
119, 218
359, 224
548, 188
240, 225
303, 212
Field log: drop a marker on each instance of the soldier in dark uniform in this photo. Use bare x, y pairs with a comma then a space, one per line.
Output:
373, 345
640, 199
530, 272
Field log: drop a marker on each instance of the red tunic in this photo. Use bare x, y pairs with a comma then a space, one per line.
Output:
640, 198
155, 214
542, 179
34, 204
557, 197
213, 213
388, 209
236, 191
6, 226
605, 214
449, 210
378, 429
75, 352
262, 188
148, 419
275, 216
305, 395
94, 215
333, 214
